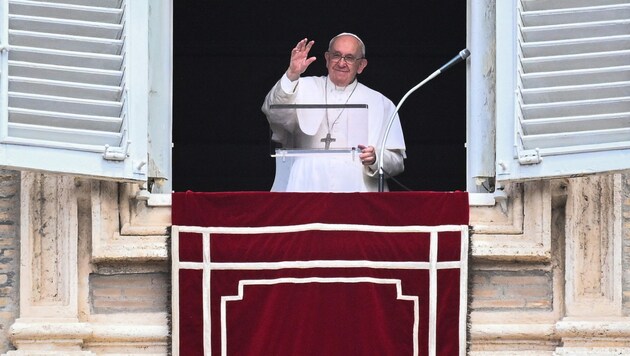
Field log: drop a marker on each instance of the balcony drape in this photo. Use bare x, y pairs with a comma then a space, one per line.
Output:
259, 273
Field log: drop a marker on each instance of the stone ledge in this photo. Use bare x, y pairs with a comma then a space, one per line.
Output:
578, 337
35, 352
63, 336
601, 328
132, 248
128, 333
54, 328
497, 332
590, 351
511, 353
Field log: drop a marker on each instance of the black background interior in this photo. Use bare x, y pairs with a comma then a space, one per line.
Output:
228, 54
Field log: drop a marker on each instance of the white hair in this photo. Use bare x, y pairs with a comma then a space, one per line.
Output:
348, 34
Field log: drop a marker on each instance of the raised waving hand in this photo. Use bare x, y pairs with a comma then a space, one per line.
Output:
300, 59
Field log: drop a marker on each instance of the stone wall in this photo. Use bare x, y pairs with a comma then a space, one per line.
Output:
573, 300
514, 287
549, 270
626, 244
94, 277
9, 253
129, 293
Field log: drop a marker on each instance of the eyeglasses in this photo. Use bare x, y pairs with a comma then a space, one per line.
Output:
350, 59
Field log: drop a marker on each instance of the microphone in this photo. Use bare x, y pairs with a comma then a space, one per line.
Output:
463, 54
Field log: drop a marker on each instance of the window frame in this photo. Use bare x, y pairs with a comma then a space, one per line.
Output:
530, 166
127, 164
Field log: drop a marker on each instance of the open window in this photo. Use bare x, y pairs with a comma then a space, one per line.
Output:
562, 88
75, 87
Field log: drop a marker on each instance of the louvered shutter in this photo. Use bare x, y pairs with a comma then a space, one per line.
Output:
563, 87
74, 87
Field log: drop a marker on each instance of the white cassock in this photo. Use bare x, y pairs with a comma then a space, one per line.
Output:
306, 129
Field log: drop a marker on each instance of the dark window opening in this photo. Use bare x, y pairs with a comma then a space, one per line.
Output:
227, 55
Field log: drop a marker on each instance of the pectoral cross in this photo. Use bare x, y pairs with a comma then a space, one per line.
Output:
328, 140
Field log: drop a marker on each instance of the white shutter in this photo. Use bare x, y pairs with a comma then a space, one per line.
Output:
74, 87
563, 87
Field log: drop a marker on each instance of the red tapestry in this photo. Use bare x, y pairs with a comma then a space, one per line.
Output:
336, 274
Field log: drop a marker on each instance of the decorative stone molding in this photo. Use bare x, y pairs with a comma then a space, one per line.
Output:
594, 322
499, 235
124, 228
63, 336
48, 269
492, 220
587, 316
68, 337
55, 265
499, 337
588, 351
146, 332
510, 353
48, 246
598, 336
593, 246
577, 332
517, 330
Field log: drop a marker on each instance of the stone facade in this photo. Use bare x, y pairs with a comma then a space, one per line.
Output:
625, 260
84, 263
567, 295
9, 253
94, 274
548, 272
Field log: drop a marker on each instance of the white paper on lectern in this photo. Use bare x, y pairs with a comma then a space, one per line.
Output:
357, 128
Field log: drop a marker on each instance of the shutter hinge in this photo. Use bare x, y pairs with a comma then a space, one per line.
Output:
116, 153
529, 157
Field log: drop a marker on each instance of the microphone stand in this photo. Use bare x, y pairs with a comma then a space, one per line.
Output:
463, 54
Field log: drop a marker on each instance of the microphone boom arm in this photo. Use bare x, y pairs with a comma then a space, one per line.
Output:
381, 153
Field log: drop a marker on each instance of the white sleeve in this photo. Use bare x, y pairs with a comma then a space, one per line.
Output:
394, 163
287, 85
284, 121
